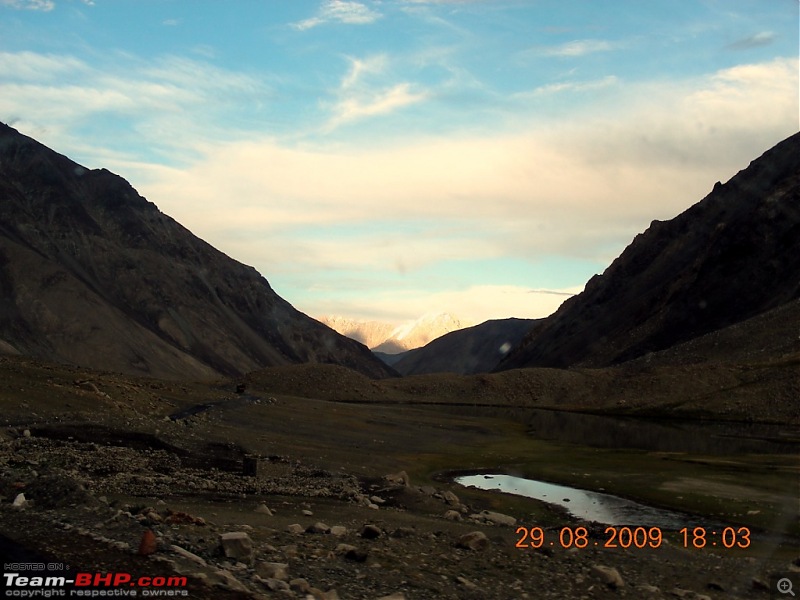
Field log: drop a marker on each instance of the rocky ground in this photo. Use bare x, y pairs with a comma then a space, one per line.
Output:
90, 462
296, 531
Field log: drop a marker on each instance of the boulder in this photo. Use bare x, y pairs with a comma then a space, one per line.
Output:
237, 545
497, 518
370, 532
273, 570
608, 575
475, 540
400, 478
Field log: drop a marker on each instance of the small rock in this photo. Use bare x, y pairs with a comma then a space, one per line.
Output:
300, 585
186, 554
453, 515
295, 528
20, 502
264, 510
403, 532
227, 580
475, 540
362, 500
395, 596
450, 498
343, 549
338, 530
400, 478
237, 545
275, 585
357, 555
26, 433
182, 518
272, 570
148, 544
377, 500
308, 513
497, 518
370, 532
608, 575
648, 589
466, 583
318, 527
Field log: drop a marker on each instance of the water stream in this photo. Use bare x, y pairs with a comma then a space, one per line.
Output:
679, 436
584, 504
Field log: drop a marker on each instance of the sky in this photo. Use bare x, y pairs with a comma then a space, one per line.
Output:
381, 160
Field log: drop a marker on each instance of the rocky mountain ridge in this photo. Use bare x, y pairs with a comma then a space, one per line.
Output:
92, 273
467, 351
728, 258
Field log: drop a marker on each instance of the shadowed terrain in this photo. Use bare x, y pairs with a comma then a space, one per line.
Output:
728, 258
92, 273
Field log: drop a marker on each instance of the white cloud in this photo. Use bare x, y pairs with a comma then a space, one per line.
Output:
579, 188
43, 5
32, 66
580, 48
378, 103
340, 11
357, 98
571, 86
359, 67
171, 102
476, 303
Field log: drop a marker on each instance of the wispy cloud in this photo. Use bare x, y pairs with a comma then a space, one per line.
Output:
476, 302
170, 102
382, 102
33, 66
43, 5
357, 98
580, 48
763, 38
340, 11
579, 188
571, 86
359, 67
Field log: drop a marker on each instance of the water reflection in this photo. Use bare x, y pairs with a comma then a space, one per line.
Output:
591, 506
699, 437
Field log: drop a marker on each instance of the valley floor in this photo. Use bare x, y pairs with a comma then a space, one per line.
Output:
102, 461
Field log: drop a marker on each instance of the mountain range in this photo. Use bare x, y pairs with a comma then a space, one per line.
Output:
93, 274
475, 349
387, 339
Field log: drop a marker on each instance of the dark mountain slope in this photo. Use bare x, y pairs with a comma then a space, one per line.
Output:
92, 273
466, 351
728, 258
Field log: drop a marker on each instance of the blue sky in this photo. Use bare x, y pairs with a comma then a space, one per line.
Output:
381, 160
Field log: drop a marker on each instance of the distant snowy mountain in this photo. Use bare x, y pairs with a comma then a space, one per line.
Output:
369, 333
394, 339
